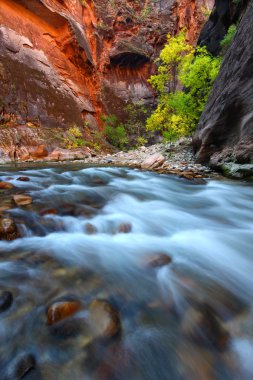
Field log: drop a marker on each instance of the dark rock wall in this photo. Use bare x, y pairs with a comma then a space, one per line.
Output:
224, 14
225, 131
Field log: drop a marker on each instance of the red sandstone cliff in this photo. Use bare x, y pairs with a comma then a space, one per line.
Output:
64, 62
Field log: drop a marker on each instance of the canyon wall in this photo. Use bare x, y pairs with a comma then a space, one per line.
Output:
66, 62
225, 132
224, 14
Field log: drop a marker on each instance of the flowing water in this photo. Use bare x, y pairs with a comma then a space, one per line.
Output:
92, 233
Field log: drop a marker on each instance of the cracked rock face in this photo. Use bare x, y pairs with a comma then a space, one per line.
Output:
64, 63
225, 131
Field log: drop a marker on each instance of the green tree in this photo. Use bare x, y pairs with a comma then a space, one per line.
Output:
183, 83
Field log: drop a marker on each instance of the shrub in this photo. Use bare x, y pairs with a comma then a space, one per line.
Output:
115, 132
74, 138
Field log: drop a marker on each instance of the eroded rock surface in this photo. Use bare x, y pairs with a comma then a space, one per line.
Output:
64, 63
225, 131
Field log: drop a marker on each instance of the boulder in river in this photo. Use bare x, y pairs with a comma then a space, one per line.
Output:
22, 199
104, 319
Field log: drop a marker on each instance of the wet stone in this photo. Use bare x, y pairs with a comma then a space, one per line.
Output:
98, 181
159, 260
60, 310
22, 199
104, 319
8, 229
23, 179
6, 185
6, 300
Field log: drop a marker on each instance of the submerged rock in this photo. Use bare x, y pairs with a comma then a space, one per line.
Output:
24, 366
90, 229
104, 319
158, 260
124, 228
48, 211
22, 199
8, 229
68, 328
202, 325
6, 299
60, 310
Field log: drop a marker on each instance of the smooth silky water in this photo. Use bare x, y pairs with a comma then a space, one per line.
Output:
81, 251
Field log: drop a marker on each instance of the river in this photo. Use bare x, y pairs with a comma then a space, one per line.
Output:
172, 259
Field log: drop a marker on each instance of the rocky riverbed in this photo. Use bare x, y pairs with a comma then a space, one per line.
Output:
167, 158
118, 273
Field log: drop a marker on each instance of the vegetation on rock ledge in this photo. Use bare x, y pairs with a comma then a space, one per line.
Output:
183, 83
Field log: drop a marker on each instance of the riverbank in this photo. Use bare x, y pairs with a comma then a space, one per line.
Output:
168, 158
176, 158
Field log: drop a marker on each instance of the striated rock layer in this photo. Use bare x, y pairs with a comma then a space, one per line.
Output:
225, 131
65, 62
